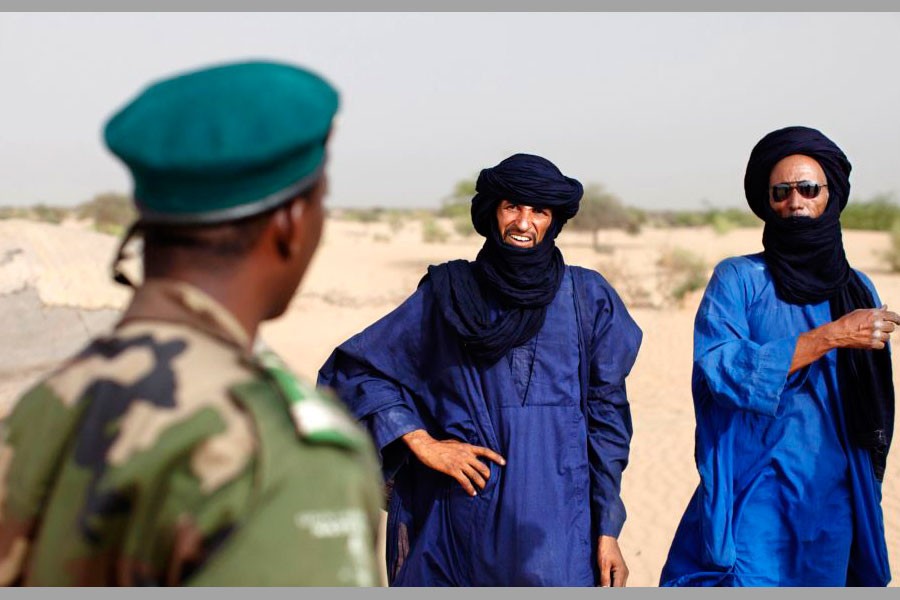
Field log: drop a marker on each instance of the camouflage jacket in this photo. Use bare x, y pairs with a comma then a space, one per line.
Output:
169, 454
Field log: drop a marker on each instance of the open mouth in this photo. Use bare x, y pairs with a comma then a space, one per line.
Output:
516, 239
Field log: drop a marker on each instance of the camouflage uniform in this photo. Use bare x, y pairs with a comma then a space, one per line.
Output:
167, 453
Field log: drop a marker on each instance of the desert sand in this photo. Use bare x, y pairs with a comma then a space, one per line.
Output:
55, 293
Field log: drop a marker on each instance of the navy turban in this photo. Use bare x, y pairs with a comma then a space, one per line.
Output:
786, 142
500, 300
529, 180
808, 265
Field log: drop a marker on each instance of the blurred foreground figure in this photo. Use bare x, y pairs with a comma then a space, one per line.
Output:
793, 393
496, 395
168, 452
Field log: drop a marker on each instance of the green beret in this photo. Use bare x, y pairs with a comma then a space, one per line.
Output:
225, 142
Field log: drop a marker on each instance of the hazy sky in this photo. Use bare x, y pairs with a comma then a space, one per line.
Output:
661, 108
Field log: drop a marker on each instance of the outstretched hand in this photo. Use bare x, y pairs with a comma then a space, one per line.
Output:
861, 329
454, 458
865, 328
613, 570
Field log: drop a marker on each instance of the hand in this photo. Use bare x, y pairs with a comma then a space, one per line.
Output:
613, 571
454, 458
864, 328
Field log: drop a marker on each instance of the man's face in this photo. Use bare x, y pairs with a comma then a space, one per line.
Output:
794, 174
521, 225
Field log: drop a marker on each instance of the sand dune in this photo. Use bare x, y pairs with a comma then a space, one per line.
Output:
55, 293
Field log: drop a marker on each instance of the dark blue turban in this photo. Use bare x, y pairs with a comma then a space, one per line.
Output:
787, 142
500, 300
808, 265
529, 180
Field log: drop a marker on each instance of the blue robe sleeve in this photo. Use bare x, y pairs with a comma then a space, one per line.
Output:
372, 371
740, 373
614, 345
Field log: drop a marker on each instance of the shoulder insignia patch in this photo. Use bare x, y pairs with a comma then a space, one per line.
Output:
316, 417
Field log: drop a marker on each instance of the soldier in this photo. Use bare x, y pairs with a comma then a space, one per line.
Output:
169, 452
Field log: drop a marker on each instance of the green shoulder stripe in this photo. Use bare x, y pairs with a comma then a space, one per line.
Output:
317, 418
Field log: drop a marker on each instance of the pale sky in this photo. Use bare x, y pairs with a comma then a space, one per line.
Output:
662, 108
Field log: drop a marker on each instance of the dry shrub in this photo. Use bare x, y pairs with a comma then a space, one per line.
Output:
628, 284
892, 256
432, 232
681, 271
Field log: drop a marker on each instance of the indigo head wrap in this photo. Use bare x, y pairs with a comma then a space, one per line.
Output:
808, 265
529, 180
520, 281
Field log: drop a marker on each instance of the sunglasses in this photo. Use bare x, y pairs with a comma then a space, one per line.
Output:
807, 189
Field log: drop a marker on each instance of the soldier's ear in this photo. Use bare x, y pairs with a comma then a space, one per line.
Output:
288, 220
297, 210
283, 231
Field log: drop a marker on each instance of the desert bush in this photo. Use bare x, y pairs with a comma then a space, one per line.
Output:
601, 209
893, 255
432, 232
48, 214
454, 208
628, 284
362, 215
681, 271
722, 220
675, 218
110, 212
462, 225
395, 221
637, 218
878, 213
13, 212
459, 202
721, 224
738, 217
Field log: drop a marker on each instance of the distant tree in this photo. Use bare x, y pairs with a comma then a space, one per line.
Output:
364, 215
465, 188
111, 212
13, 212
459, 201
48, 214
601, 209
432, 232
681, 272
457, 206
878, 213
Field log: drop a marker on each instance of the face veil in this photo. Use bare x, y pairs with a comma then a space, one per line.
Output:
808, 264
520, 281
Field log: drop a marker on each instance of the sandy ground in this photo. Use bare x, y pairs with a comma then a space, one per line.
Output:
55, 293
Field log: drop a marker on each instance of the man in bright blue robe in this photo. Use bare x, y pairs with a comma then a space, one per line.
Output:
793, 393
496, 395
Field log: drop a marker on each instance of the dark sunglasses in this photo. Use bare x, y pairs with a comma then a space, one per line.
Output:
807, 189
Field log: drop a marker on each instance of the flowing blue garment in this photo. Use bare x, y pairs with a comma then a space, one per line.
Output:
784, 498
554, 407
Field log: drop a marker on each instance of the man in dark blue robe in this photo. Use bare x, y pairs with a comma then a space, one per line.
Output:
496, 396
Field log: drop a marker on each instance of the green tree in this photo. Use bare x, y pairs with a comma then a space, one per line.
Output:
601, 209
432, 232
48, 214
458, 203
110, 212
681, 271
893, 255
877, 213
457, 206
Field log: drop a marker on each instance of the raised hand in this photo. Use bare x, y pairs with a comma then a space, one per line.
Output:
864, 328
861, 329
